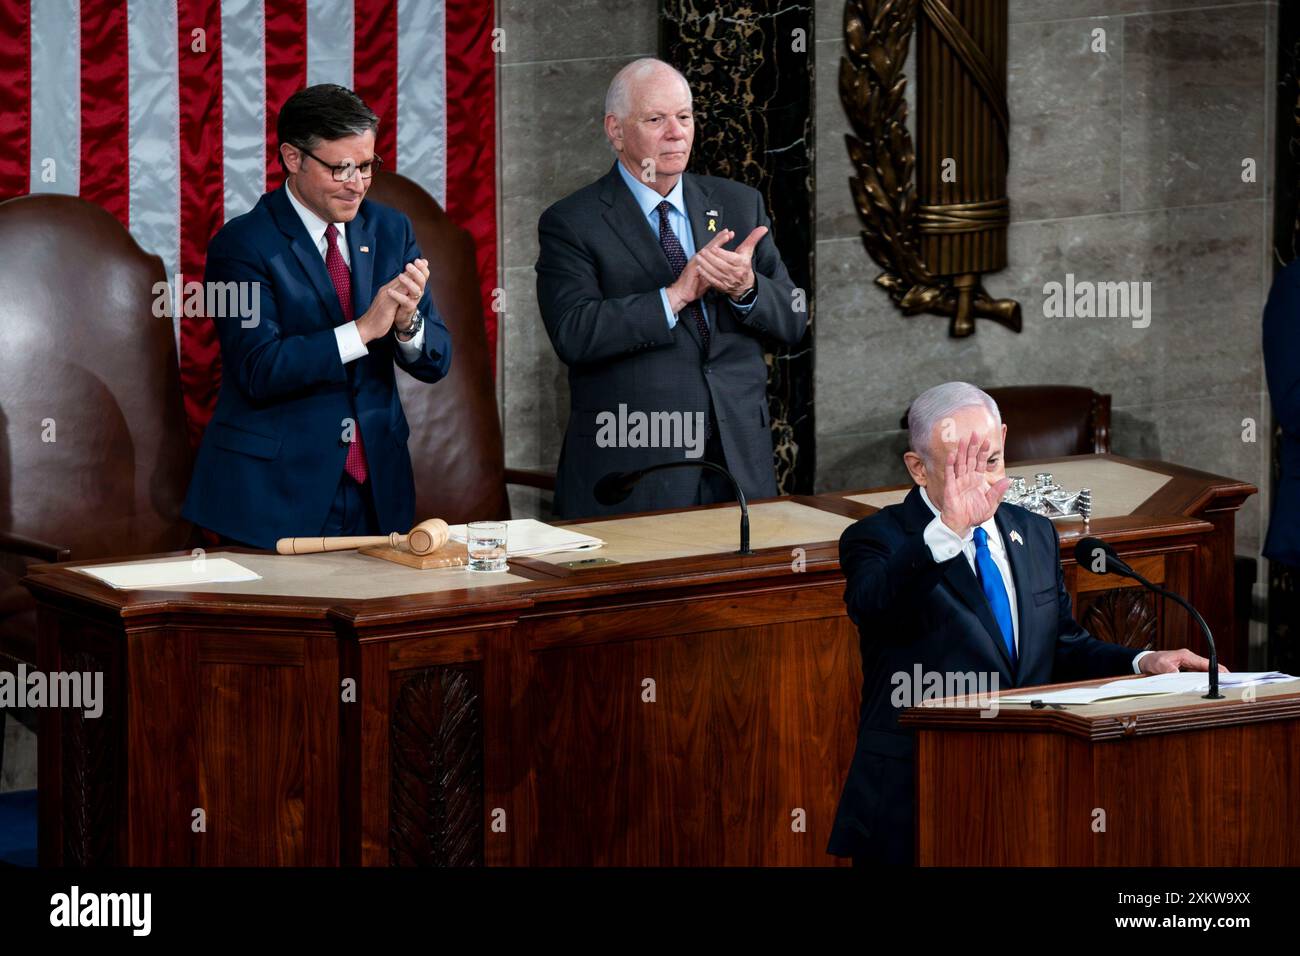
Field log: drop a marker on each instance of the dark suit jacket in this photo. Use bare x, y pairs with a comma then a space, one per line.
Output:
272, 456
1282, 367
911, 610
599, 273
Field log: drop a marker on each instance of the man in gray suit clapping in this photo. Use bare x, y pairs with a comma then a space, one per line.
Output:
658, 288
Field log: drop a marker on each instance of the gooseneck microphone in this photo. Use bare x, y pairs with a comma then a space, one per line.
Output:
1099, 557
617, 485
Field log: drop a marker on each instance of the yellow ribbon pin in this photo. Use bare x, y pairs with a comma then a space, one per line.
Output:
713, 225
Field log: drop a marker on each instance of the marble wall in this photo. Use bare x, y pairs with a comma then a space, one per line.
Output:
1125, 166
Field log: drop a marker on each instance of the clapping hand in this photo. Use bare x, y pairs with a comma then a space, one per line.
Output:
731, 272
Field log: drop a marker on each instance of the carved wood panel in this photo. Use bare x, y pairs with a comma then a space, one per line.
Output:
435, 805
90, 755
1124, 616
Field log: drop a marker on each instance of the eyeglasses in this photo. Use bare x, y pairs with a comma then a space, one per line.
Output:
345, 171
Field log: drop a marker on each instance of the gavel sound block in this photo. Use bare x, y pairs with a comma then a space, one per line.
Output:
425, 546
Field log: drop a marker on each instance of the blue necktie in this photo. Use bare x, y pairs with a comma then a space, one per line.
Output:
994, 590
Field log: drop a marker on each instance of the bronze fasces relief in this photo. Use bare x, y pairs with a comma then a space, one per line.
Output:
935, 214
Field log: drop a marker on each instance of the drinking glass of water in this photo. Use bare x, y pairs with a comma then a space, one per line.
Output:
486, 541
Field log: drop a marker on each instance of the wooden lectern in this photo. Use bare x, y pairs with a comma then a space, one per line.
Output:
1155, 781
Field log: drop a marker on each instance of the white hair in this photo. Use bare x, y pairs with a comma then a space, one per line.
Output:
943, 401
618, 98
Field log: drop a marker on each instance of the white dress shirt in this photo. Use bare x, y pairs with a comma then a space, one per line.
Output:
348, 337
945, 544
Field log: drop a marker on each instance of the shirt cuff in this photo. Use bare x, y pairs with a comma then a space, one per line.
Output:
944, 543
1136, 668
411, 350
351, 347
668, 309
742, 308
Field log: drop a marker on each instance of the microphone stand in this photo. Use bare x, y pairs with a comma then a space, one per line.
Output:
1116, 565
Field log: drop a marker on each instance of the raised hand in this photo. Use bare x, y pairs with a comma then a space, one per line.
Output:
968, 499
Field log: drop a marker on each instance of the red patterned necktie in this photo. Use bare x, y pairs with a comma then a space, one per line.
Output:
342, 279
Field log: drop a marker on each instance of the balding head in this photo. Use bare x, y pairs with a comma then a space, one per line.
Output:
619, 96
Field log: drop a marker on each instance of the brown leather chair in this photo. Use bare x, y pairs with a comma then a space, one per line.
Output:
94, 458
1051, 421
456, 446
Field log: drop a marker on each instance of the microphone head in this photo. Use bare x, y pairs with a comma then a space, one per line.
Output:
1095, 555
614, 487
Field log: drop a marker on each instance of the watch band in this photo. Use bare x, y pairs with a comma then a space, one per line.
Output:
416, 323
749, 296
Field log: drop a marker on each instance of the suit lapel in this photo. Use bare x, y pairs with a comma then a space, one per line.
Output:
625, 218
699, 203
309, 257
363, 262
1021, 560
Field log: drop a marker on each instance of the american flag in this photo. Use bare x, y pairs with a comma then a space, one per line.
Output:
163, 112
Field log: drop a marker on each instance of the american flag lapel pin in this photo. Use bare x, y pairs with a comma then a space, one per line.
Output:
712, 216
365, 248
1015, 536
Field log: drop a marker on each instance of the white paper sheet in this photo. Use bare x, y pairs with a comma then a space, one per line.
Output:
528, 536
163, 574
1179, 682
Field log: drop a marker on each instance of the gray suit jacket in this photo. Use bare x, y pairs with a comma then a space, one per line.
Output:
599, 273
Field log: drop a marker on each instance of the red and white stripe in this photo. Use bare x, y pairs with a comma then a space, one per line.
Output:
110, 100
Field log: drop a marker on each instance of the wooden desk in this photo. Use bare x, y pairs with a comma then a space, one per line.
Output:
1158, 781
687, 706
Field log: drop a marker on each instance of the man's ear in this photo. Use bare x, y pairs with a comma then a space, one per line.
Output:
614, 131
1004, 442
915, 467
292, 158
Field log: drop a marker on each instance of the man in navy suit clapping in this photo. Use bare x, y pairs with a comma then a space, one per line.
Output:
309, 436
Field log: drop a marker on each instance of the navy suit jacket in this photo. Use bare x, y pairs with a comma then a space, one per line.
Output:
910, 610
272, 456
1282, 367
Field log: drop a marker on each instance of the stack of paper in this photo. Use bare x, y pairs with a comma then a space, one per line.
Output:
1179, 682
527, 536
165, 574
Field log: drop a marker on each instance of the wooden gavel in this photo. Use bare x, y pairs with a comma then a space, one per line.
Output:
425, 537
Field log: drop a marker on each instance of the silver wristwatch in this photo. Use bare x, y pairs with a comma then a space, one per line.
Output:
416, 323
